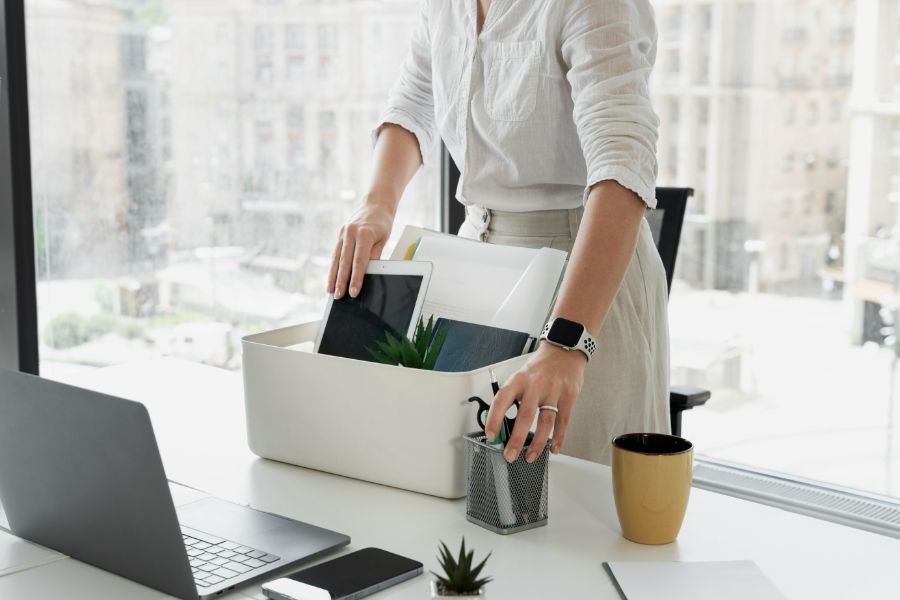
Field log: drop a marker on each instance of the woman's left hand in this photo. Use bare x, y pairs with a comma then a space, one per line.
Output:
551, 377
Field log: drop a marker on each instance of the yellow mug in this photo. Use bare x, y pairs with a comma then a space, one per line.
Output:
651, 475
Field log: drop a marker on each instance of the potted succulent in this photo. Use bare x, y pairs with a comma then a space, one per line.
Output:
460, 578
420, 353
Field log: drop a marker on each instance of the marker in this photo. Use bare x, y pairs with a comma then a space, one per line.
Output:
494, 385
503, 435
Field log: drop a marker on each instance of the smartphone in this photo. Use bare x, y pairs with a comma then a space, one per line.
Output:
355, 575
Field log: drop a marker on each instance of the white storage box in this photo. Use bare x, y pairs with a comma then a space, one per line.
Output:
385, 424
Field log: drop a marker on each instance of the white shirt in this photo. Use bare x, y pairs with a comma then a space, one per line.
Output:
550, 99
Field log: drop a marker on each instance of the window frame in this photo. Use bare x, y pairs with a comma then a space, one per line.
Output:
18, 299
19, 349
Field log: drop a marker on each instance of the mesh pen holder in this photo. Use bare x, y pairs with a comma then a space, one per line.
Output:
505, 497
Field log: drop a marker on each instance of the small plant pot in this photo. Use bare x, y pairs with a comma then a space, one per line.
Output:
505, 497
436, 593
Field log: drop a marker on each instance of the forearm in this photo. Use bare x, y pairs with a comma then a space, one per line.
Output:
395, 162
603, 250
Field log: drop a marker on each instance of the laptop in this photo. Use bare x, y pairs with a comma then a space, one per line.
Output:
80, 472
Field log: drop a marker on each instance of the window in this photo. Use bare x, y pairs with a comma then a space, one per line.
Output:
176, 154
703, 111
705, 19
295, 51
798, 366
810, 160
673, 20
789, 162
178, 150
674, 111
673, 161
327, 38
327, 139
831, 197
264, 145
295, 127
812, 113
790, 113
264, 52
837, 109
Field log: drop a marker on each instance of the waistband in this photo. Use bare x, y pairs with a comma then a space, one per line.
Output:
539, 223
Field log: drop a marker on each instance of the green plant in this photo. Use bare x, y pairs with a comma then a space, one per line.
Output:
71, 329
460, 577
422, 353
66, 331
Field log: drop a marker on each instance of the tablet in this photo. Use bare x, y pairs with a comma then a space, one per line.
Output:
391, 299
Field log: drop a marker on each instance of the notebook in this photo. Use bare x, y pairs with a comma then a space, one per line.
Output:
735, 580
470, 346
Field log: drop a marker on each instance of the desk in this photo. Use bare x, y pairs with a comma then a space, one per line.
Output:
197, 413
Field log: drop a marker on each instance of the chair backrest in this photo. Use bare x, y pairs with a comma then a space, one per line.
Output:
666, 221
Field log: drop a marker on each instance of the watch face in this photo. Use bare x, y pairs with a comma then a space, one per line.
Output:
565, 332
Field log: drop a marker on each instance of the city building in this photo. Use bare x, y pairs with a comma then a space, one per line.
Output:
872, 237
78, 138
272, 107
752, 98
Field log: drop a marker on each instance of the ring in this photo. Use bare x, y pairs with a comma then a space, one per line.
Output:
548, 407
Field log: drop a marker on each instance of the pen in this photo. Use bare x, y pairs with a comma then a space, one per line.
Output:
502, 487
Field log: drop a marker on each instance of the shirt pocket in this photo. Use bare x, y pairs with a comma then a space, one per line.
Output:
447, 61
511, 78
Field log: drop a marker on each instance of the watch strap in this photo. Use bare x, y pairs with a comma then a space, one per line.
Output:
586, 344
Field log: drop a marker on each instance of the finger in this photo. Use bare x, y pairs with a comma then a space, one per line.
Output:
565, 406
530, 398
364, 241
376, 251
346, 262
502, 401
546, 420
335, 259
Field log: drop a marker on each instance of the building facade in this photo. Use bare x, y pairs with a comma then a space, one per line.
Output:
752, 97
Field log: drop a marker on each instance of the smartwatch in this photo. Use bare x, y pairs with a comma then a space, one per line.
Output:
569, 335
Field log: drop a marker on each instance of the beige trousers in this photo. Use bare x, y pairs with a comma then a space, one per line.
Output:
626, 384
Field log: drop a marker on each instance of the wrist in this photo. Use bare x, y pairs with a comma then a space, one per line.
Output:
545, 348
384, 200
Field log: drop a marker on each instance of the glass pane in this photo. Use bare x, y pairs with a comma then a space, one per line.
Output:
192, 162
785, 295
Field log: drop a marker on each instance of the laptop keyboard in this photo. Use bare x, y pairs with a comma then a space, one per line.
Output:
214, 560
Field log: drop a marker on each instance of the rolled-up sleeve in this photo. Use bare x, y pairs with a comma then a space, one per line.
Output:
411, 102
609, 48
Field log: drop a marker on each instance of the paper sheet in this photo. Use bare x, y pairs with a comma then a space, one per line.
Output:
526, 306
735, 580
486, 284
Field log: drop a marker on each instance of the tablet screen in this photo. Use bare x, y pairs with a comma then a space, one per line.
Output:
385, 304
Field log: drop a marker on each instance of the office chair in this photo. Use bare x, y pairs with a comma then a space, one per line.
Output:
666, 222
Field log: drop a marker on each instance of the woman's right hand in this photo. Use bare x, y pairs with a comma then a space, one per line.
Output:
361, 239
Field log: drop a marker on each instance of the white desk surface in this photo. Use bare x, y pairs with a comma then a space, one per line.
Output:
17, 554
197, 413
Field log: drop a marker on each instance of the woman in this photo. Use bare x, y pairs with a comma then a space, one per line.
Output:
544, 106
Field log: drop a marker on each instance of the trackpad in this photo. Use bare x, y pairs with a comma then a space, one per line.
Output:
224, 519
